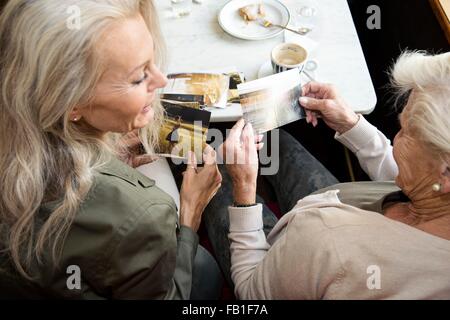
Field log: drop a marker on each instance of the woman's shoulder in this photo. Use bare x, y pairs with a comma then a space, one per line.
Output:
120, 197
124, 217
326, 219
326, 211
117, 184
324, 214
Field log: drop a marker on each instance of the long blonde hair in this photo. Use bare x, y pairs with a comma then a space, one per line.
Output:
46, 69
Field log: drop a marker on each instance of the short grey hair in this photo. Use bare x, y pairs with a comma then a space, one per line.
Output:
428, 78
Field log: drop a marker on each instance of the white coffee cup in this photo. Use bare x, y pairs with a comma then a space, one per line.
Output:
286, 56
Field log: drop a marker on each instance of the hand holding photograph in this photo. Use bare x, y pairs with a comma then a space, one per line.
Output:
271, 102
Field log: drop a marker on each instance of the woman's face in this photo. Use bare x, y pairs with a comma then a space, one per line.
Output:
417, 168
123, 98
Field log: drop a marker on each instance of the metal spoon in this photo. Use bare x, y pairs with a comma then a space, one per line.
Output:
267, 24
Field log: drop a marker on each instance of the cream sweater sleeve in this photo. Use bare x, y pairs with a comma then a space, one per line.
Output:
372, 148
248, 246
301, 264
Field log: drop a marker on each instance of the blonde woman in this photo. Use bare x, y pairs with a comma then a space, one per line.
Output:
68, 206
367, 240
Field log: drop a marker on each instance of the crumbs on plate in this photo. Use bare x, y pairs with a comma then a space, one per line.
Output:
252, 12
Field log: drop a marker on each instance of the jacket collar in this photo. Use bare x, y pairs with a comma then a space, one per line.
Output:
115, 167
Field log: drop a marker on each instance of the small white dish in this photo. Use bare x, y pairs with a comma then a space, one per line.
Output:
266, 70
232, 23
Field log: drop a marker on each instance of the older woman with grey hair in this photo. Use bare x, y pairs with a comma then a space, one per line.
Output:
367, 240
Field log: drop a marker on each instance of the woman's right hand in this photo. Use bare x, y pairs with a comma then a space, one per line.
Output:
240, 154
198, 187
320, 98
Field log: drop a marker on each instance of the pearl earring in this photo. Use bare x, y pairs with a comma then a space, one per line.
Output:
75, 119
436, 187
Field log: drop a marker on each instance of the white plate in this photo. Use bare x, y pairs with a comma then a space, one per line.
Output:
232, 22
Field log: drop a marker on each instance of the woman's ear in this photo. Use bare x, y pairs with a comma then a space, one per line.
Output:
75, 115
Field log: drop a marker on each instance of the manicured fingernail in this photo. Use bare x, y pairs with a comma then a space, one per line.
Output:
303, 100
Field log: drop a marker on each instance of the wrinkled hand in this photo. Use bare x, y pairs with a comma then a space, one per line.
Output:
240, 154
134, 154
198, 187
319, 98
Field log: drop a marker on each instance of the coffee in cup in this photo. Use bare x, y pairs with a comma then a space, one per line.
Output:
286, 56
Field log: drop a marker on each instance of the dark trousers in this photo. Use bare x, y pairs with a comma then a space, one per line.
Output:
207, 279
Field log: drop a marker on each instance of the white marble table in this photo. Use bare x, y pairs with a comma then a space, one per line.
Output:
197, 42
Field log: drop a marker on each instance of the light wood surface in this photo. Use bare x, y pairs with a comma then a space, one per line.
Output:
442, 10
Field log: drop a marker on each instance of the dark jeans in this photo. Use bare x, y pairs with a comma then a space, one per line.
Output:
206, 277
299, 175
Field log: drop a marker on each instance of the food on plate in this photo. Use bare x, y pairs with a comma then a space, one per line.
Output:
252, 12
247, 14
261, 10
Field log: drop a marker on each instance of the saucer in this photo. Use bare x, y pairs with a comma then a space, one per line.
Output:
266, 70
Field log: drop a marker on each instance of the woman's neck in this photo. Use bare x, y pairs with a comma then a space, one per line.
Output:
430, 208
429, 214
427, 204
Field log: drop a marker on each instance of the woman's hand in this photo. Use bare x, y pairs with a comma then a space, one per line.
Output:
324, 99
198, 187
239, 152
134, 154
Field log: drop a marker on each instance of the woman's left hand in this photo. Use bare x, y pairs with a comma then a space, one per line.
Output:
198, 187
324, 99
134, 154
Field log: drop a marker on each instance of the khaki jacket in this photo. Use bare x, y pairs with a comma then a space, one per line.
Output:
125, 240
